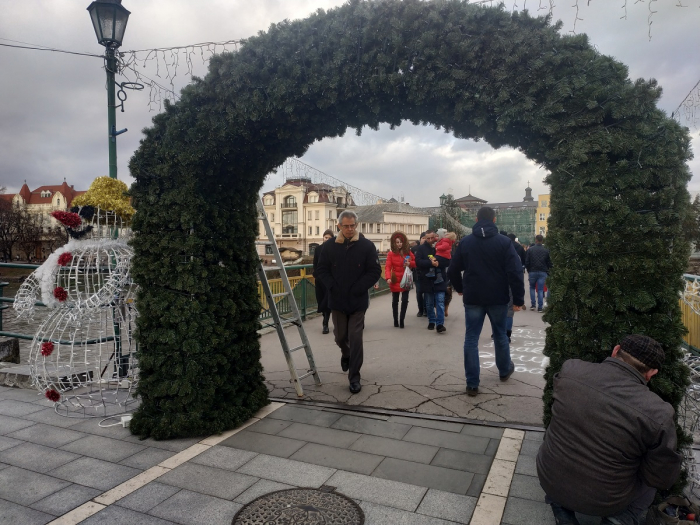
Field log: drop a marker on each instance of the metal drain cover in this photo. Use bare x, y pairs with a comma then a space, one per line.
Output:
300, 507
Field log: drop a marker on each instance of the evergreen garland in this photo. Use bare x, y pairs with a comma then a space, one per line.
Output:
617, 167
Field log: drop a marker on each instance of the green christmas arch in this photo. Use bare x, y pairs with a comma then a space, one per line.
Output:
616, 163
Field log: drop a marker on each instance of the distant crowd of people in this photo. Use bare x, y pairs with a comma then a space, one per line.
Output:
611, 442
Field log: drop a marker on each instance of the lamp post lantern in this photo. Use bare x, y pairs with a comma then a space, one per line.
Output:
109, 20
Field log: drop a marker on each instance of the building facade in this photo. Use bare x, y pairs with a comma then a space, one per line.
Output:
378, 221
543, 212
300, 211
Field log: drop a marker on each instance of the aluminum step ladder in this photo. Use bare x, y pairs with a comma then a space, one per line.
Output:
278, 320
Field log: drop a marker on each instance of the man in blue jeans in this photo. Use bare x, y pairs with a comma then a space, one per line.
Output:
485, 270
538, 263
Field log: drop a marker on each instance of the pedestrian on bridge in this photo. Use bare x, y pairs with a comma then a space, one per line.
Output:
321, 292
485, 270
433, 282
348, 267
399, 259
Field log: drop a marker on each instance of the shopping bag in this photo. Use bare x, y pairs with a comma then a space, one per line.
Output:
407, 280
673, 510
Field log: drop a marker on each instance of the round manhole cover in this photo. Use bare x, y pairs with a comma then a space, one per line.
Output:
300, 506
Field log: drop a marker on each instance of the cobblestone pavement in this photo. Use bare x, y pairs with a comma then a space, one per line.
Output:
419, 370
398, 468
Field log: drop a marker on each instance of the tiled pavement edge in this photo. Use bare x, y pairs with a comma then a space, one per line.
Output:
399, 469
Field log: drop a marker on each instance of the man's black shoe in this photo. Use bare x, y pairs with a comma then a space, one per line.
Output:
440, 328
471, 392
419, 314
510, 372
345, 363
539, 310
325, 329
355, 387
431, 326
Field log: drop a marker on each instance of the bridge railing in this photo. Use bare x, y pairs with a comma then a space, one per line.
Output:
691, 320
303, 288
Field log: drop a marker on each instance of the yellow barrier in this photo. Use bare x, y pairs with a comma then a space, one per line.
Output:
691, 321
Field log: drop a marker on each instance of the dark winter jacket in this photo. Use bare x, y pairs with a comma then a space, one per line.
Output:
520, 251
348, 269
537, 259
492, 269
321, 292
608, 430
423, 264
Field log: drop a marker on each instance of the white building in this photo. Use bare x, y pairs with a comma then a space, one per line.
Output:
378, 221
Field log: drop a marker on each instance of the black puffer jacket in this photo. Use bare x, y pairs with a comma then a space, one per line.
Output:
607, 431
348, 269
537, 259
492, 269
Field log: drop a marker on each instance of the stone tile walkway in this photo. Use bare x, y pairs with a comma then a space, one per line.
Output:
400, 469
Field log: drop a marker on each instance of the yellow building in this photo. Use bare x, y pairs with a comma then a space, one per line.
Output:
543, 213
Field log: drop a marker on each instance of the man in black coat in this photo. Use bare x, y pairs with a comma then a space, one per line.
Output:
433, 281
417, 277
492, 270
348, 267
538, 263
518, 248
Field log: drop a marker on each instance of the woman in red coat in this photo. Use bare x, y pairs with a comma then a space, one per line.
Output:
398, 259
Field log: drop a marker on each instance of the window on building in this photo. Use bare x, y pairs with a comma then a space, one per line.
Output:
289, 222
542, 230
318, 230
269, 200
58, 202
312, 248
544, 204
330, 214
309, 216
379, 228
542, 217
317, 214
272, 217
268, 250
310, 230
289, 202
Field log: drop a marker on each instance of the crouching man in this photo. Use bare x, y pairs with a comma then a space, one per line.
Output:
611, 441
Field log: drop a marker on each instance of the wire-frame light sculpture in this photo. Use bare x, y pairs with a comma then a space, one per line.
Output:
83, 356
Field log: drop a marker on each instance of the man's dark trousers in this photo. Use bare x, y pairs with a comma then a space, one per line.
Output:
419, 298
347, 329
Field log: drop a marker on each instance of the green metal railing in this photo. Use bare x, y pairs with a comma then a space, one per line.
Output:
303, 288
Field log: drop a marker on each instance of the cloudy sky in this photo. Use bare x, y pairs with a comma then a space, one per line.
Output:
53, 117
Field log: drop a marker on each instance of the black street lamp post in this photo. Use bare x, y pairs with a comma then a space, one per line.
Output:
109, 20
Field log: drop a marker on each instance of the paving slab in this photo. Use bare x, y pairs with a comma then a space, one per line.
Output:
339, 458
47, 435
492, 447
320, 435
147, 458
99, 447
381, 515
530, 447
304, 415
65, 500
427, 423
115, 515
37, 458
208, 480
192, 508
395, 448
447, 506
373, 427
287, 471
261, 488
440, 438
25, 487
526, 487
526, 465
224, 457
12, 424
377, 490
482, 431
94, 473
263, 443
14, 408
6, 442
149, 496
50, 417
29, 395
269, 426
477, 485
13, 514
466, 461
430, 476
531, 435
519, 511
